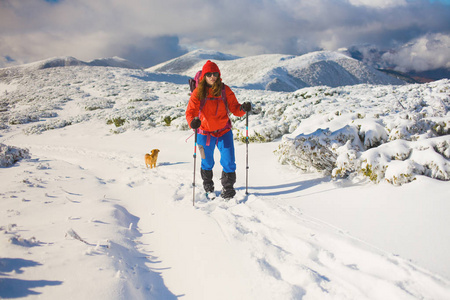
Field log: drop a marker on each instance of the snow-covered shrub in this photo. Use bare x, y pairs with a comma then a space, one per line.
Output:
9, 155
412, 127
399, 162
317, 151
28, 117
260, 134
23, 242
371, 133
400, 172
434, 164
145, 99
441, 128
180, 123
443, 148
55, 124
266, 122
346, 161
98, 103
22, 119
172, 114
117, 121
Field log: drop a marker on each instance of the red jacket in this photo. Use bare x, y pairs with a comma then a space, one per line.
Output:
214, 114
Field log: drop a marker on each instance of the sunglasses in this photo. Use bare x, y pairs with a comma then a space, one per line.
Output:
215, 74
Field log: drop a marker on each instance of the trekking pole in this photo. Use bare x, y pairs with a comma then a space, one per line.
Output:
246, 159
195, 159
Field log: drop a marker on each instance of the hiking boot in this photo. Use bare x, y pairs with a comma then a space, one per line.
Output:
208, 183
228, 194
228, 180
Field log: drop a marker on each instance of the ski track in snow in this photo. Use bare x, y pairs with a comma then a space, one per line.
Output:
296, 258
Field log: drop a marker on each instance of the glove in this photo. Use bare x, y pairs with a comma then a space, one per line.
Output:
246, 106
195, 123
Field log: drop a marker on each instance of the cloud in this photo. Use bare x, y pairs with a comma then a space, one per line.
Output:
378, 3
151, 31
425, 53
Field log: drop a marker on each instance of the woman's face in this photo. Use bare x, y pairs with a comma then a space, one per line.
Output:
211, 78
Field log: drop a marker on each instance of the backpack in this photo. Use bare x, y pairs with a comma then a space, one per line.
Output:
193, 82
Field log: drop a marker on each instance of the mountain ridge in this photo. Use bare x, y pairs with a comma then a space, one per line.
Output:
67, 61
272, 72
279, 72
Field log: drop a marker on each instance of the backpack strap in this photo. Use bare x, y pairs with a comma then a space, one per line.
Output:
224, 99
192, 84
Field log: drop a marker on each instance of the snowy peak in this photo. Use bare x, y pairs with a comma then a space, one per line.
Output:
57, 62
209, 54
185, 62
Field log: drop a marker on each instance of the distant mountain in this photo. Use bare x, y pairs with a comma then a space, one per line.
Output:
114, 62
274, 72
68, 61
278, 72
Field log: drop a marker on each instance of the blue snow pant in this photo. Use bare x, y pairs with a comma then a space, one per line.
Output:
225, 145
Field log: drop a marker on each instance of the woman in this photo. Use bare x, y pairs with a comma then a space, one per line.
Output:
207, 112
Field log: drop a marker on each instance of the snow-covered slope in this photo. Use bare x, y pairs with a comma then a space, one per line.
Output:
81, 217
278, 72
67, 61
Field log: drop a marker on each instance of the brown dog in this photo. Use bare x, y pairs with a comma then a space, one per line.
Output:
150, 159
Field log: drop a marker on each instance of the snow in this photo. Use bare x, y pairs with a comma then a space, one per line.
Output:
82, 217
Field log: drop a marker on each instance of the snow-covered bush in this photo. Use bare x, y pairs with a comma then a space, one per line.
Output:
318, 150
400, 134
55, 124
98, 103
9, 155
397, 162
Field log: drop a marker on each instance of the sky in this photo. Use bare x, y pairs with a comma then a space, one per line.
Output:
148, 32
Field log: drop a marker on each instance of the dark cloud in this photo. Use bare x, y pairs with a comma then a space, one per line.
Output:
150, 51
151, 31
